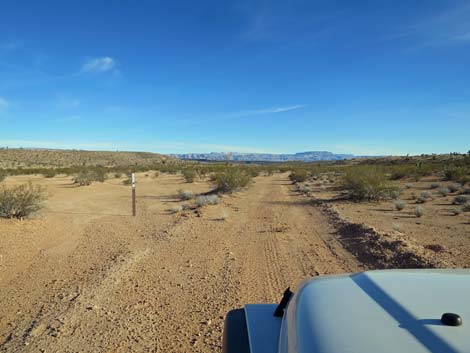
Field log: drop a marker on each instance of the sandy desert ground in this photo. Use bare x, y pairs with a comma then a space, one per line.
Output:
85, 276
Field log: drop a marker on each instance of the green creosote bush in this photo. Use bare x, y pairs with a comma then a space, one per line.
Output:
230, 180
189, 175
49, 173
368, 184
87, 177
298, 176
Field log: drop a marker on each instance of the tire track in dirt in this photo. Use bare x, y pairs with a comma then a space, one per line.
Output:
164, 283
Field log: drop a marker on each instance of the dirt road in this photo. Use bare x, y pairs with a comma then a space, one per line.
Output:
101, 281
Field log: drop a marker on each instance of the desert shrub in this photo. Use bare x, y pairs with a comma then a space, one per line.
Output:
368, 184
460, 174
304, 189
298, 176
425, 195
455, 187
189, 175
434, 185
185, 194
461, 199
393, 194
204, 200
176, 209
231, 180
419, 211
49, 173
21, 200
400, 172
87, 177
399, 204
443, 191
421, 199
466, 206
253, 172
456, 211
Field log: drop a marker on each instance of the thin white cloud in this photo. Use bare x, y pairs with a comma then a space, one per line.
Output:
4, 104
10, 46
273, 110
68, 103
449, 27
462, 37
99, 65
114, 109
67, 119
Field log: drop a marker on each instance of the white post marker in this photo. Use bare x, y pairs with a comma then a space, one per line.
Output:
133, 194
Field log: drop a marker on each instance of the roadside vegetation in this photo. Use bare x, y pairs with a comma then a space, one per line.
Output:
21, 200
87, 177
231, 180
368, 184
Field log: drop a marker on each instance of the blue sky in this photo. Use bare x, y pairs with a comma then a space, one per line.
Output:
362, 77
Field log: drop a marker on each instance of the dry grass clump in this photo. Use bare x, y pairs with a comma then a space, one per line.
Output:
455, 187
466, 206
185, 194
231, 180
461, 199
399, 204
419, 211
298, 176
204, 200
21, 201
444, 191
397, 227
368, 184
424, 197
176, 209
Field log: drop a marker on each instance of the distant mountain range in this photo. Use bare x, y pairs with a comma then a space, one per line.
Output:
310, 156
